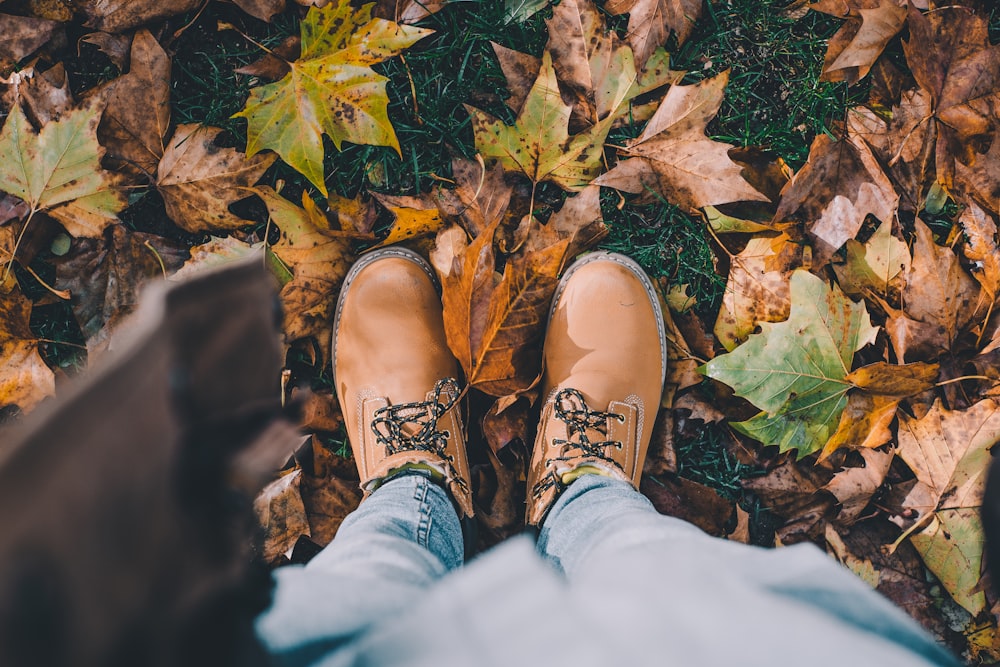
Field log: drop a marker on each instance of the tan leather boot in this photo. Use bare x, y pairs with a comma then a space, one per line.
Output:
605, 359
395, 375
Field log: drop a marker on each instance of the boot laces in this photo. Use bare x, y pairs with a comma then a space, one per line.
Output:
572, 409
393, 425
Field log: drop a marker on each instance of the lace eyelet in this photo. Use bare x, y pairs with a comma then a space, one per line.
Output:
621, 419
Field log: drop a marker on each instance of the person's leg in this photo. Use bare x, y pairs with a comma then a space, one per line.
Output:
394, 377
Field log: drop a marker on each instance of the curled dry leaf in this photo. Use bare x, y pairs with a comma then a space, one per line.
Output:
981, 230
318, 257
795, 371
199, 180
274, 65
132, 133
674, 158
539, 144
116, 47
413, 217
45, 96
25, 379
480, 196
757, 288
331, 89
949, 452
864, 423
839, 186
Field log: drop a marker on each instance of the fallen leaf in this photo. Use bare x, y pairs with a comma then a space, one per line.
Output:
58, 170
105, 276
674, 158
120, 15
864, 423
727, 224
480, 197
265, 10
897, 380
520, 70
938, 291
217, 252
132, 133
699, 408
741, 533
538, 144
24, 35
949, 452
199, 180
116, 47
863, 568
795, 371
791, 491
651, 22
878, 265
519, 11
981, 230
854, 487
757, 288
980, 179
274, 65
860, 41
44, 97
661, 456
413, 217
330, 493
331, 89
25, 379
281, 514
693, 502
839, 186
318, 257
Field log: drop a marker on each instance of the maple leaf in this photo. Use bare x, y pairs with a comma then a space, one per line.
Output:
594, 66
949, 452
539, 144
25, 379
839, 186
480, 196
651, 22
413, 217
331, 89
199, 180
790, 491
674, 158
134, 134
757, 288
796, 370
318, 258
852, 52
58, 170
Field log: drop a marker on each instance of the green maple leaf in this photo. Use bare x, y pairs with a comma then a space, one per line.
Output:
795, 371
58, 169
331, 89
538, 144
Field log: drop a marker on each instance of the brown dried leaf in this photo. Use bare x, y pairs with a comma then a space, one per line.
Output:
265, 10
651, 22
520, 70
282, 515
895, 380
330, 493
690, 501
115, 47
790, 491
121, 15
199, 180
864, 423
105, 276
857, 45
757, 289
876, 266
134, 133
854, 487
839, 186
45, 96
23, 35
214, 253
981, 230
274, 65
661, 458
674, 157
479, 199
25, 379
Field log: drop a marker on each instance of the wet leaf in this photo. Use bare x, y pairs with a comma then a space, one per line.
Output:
796, 370
331, 89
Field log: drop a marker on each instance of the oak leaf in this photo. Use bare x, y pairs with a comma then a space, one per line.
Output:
795, 371
58, 170
25, 379
839, 186
318, 257
674, 158
949, 452
199, 180
651, 22
539, 144
852, 52
331, 89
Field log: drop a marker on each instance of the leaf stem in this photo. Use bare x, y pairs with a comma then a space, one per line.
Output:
17, 243
960, 379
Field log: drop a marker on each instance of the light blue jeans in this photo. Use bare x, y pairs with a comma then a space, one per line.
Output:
651, 586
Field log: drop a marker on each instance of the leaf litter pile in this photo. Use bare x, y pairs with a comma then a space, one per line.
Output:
847, 372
